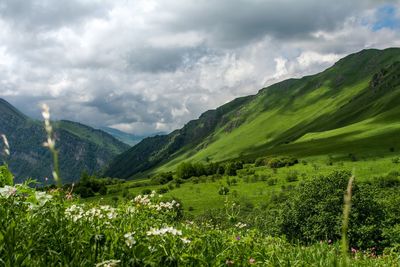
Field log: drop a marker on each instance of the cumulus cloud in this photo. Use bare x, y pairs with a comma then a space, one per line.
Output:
148, 66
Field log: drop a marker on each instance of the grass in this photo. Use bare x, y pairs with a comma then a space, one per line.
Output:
198, 198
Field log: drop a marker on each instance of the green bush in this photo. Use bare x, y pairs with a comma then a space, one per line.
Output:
292, 176
313, 212
6, 177
146, 191
162, 190
223, 190
272, 181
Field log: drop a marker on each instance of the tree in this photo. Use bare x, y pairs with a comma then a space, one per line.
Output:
313, 212
185, 170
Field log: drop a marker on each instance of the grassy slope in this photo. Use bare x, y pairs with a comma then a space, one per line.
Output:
98, 137
334, 112
361, 91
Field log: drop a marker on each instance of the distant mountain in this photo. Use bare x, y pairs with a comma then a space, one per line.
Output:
351, 109
127, 138
81, 147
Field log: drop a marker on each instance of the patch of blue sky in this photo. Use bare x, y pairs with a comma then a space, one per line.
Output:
387, 16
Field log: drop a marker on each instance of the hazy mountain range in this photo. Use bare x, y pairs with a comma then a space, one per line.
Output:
81, 147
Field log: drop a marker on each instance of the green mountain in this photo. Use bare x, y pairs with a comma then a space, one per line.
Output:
351, 109
81, 147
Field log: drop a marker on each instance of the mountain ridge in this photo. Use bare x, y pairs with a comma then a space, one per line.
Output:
81, 147
274, 119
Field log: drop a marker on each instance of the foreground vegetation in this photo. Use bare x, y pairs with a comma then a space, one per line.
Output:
51, 228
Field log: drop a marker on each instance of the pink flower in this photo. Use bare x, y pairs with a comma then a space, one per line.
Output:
354, 250
252, 261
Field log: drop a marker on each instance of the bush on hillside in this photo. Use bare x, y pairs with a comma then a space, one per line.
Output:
162, 178
313, 212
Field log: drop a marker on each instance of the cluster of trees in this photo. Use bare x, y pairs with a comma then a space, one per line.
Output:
90, 185
187, 170
276, 162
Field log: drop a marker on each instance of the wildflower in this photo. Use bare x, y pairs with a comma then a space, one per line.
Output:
164, 231
129, 240
354, 250
238, 238
185, 240
51, 143
330, 241
229, 262
108, 263
42, 197
252, 261
8, 191
6, 145
240, 225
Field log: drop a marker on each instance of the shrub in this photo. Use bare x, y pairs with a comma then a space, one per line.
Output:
272, 181
279, 162
223, 190
260, 162
292, 176
6, 177
163, 178
162, 190
387, 181
146, 191
103, 190
314, 212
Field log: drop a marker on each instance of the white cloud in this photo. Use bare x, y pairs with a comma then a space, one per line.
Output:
145, 66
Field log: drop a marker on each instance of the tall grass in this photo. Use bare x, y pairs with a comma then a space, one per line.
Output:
345, 224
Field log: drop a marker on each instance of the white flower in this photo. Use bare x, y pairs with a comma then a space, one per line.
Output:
164, 231
7, 191
42, 197
185, 240
240, 225
45, 111
109, 263
129, 240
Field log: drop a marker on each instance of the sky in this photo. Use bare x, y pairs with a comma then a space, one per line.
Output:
145, 66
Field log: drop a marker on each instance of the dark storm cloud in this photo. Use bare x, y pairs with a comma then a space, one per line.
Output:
153, 59
49, 14
234, 23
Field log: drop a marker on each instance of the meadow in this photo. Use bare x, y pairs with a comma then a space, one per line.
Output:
253, 185
269, 211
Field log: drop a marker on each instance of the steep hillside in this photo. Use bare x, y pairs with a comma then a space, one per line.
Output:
81, 147
350, 108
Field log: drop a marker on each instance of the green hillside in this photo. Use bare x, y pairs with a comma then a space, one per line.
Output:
81, 147
349, 109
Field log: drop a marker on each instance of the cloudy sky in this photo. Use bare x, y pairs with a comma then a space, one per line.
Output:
146, 66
